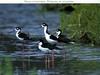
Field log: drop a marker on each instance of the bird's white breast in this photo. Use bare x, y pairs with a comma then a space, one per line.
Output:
18, 36
58, 33
47, 37
50, 40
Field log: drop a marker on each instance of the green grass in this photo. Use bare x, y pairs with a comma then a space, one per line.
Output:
0, 68
33, 72
85, 18
6, 67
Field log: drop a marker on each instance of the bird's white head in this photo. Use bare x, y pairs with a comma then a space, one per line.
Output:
40, 42
58, 31
17, 29
44, 25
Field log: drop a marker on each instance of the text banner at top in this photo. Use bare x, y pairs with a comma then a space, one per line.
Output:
49, 1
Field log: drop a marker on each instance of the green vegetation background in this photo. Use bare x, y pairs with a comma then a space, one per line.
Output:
85, 19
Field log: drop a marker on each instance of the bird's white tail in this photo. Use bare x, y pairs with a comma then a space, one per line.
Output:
72, 42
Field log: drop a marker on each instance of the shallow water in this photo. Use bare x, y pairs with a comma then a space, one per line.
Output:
29, 17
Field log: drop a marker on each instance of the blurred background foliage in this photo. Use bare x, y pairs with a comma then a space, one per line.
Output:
84, 20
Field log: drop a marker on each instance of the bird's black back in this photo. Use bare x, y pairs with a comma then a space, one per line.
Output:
24, 36
47, 45
53, 37
64, 39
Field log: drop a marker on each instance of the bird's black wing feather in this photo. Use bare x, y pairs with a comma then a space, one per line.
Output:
23, 35
64, 39
47, 45
50, 46
53, 37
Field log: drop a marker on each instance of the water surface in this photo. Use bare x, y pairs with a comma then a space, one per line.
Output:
15, 52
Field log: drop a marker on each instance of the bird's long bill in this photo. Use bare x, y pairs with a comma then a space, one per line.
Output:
42, 26
15, 29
